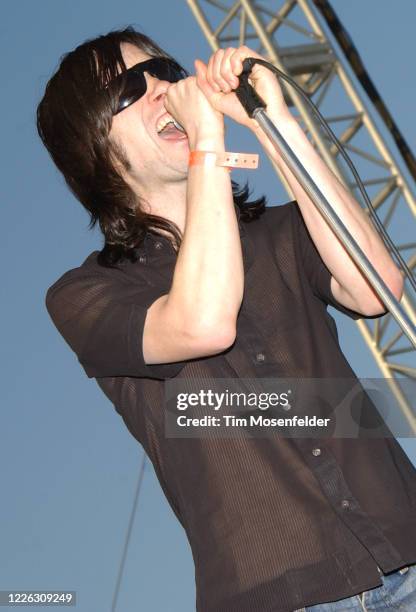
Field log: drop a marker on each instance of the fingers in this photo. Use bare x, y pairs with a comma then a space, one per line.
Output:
210, 71
220, 73
179, 91
224, 67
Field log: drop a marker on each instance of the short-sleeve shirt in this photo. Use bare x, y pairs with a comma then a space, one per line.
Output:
272, 523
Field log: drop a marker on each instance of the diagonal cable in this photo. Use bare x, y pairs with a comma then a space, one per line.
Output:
128, 534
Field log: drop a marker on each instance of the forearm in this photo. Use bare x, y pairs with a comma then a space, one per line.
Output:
208, 280
336, 258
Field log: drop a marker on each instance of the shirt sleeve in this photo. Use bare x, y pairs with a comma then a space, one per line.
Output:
317, 273
102, 320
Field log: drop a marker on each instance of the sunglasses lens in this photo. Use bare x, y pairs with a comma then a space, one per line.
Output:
134, 87
166, 70
134, 82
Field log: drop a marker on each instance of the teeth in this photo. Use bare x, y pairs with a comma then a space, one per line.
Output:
163, 122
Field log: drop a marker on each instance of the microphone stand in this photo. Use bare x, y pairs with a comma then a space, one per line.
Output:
255, 108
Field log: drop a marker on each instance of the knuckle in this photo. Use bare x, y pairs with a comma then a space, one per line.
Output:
224, 72
219, 55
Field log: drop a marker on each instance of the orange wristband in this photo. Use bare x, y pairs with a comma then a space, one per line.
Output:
226, 160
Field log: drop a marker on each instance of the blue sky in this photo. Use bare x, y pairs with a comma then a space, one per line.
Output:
69, 464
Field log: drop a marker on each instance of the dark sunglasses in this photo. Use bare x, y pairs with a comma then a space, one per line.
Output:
132, 83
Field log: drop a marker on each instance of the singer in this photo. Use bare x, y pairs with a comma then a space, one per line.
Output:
196, 281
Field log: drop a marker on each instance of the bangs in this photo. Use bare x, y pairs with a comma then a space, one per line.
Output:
108, 61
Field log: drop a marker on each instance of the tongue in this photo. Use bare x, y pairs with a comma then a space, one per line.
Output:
170, 132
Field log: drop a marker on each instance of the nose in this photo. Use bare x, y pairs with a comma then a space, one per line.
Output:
157, 89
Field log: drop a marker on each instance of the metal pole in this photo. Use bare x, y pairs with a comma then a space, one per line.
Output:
336, 224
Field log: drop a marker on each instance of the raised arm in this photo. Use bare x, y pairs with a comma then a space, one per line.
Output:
348, 285
198, 316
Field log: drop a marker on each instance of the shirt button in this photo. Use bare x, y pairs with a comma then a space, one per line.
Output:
260, 357
316, 452
345, 503
158, 245
142, 258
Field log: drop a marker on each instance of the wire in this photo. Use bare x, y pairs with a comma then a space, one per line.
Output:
128, 534
353, 57
385, 236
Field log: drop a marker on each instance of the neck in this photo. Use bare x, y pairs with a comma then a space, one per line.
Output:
167, 200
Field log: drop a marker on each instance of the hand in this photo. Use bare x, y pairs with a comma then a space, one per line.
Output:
220, 77
186, 102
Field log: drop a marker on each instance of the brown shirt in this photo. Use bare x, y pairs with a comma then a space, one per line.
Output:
273, 524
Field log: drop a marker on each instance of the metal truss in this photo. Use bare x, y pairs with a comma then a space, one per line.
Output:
289, 35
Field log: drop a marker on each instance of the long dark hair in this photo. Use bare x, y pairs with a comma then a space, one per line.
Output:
74, 120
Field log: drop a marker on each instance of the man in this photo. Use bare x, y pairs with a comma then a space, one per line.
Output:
194, 282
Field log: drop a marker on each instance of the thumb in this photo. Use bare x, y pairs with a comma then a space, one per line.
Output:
200, 67
201, 78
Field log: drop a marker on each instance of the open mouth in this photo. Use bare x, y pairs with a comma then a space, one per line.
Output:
169, 129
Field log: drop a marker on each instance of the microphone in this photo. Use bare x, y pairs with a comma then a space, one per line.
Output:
178, 125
